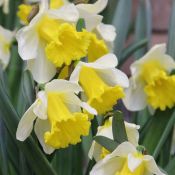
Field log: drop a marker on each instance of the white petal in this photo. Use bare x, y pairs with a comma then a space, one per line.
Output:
28, 43
151, 165
6, 6
106, 62
67, 13
73, 102
88, 108
158, 53
123, 150
91, 20
44, 6
25, 125
42, 126
74, 77
95, 8
108, 166
114, 77
133, 162
135, 97
40, 109
4, 56
62, 86
41, 68
107, 32
27, 37
1, 2
7, 34
132, 133
95, 151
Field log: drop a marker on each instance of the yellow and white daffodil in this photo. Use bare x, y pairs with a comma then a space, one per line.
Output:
151, 83
102, 83
5, 5
6, 37
98, 152
126, 160
51, 32
59, 118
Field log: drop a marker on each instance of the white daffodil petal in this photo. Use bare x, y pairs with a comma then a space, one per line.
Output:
73, 102
95, 8
158, 53
62, 86
42, 126
1, 2
28, 43
6, 37
4, 56
91, 20
107, 32
75, 74
135, 97
88, 108
41, 68
114, 77
123, 150
7, 34
151, 165
108, 166
106, 62
133, 162
40, 109
25, 125
44, 6
132, 133
95, 151
67, 13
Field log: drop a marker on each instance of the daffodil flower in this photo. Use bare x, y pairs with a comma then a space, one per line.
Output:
98, 152
126, 160
43, 32
58, 115
6, 37
151, 83
5, 4
102, 83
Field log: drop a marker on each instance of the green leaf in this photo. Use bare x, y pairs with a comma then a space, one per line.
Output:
170, 168
30, 149
14, 72
108, 13
156, 129
80, 25
121, 21
27, 95
3, 148
131, 49
107, 143
143, 26
118, 128
28, 88
164, 135
171, 34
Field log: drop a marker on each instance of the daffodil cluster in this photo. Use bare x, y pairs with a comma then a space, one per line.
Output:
69, 52
75, 66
